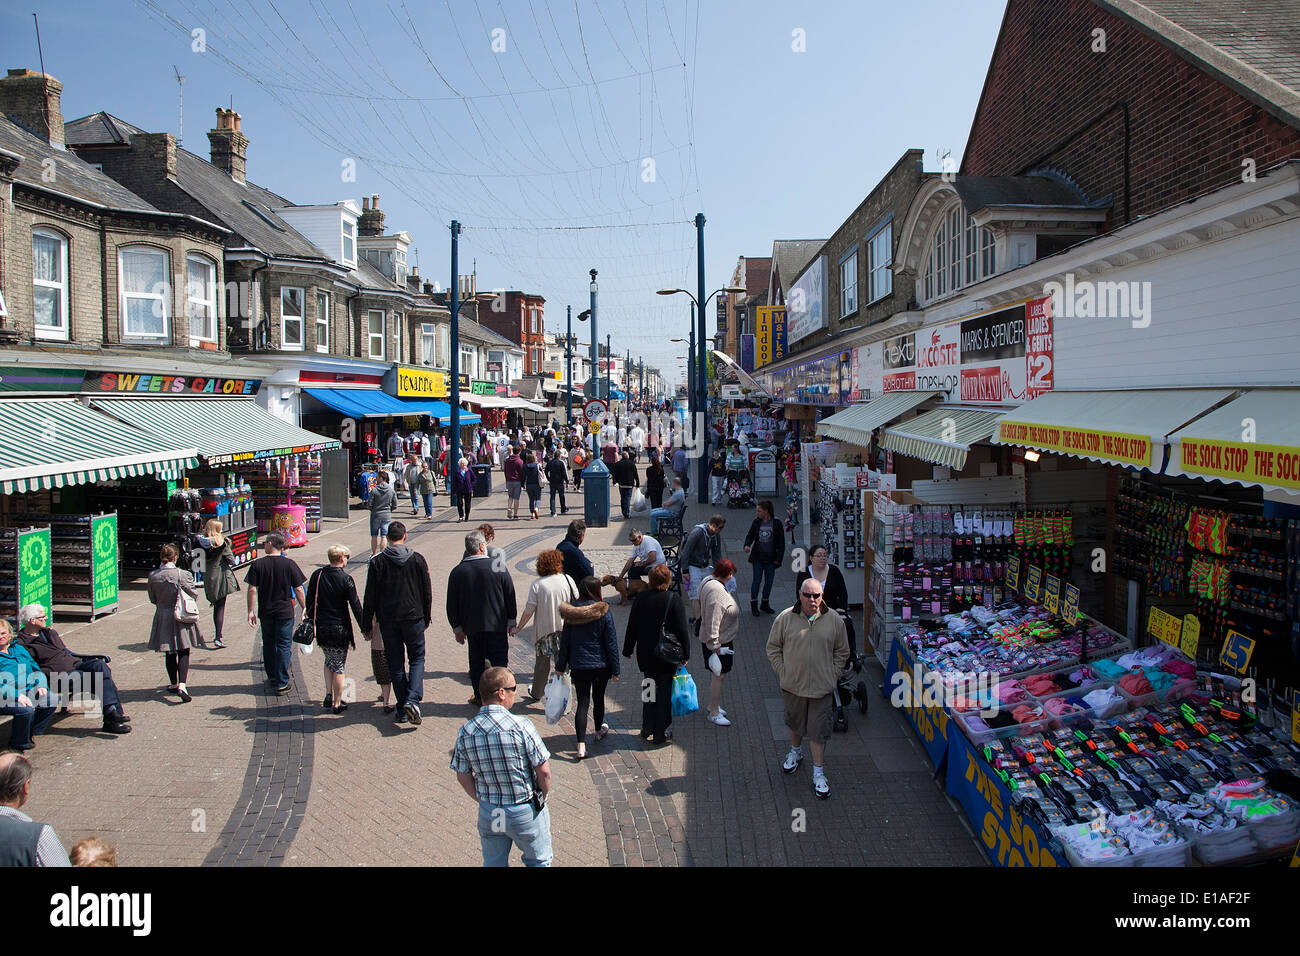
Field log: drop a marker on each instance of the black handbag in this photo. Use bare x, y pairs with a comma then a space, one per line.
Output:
668, 648
305, 632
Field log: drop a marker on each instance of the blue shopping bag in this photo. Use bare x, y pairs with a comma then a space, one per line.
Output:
685, 699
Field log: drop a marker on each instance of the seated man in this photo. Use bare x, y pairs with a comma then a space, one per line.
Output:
675, 506
646, 553
54, 658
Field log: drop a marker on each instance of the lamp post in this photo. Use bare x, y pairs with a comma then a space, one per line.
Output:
453, 452
698, 380
568, 362
595, 349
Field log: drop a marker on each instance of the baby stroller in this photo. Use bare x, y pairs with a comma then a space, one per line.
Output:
850, 686
740, 490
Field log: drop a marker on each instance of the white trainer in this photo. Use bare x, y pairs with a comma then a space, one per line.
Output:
820, 786
719, 719
792, 760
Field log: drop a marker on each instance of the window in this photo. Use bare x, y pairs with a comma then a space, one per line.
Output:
535, 320
201, 298
400, 267
291, 318
375, 332
961, 255
849, 285
143, 281
428, 343
467, 362
880, 256
50, 284
349, 243
322, 322
444, 347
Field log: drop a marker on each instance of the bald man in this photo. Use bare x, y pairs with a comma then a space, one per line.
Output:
22, 841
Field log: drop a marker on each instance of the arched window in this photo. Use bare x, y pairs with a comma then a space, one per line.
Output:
50, 284
961, 254
144, 282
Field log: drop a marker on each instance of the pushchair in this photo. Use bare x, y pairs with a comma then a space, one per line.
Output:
850, 686
740, 490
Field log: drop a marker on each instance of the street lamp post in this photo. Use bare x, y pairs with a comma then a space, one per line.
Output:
595, 349
568, 363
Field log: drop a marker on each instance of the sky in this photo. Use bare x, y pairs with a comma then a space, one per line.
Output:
563, 136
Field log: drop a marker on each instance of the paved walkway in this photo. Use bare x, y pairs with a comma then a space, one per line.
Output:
240, 778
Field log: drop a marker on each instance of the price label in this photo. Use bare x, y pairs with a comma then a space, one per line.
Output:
1191, 635
1052, 594
1237, 649
1070, 609
1295, 736
1013, 572
1033, 581
1164, 626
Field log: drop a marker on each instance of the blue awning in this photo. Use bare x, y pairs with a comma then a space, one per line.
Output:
373, 403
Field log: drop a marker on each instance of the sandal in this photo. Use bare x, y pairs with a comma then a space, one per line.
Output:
603, 732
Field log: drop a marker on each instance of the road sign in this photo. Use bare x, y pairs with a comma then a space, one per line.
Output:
596, 388
595, 410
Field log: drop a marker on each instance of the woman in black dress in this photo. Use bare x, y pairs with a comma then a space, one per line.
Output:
533, 484
655, 482
331, 593
653, 608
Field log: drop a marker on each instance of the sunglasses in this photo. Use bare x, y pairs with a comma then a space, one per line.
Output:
511, 689
810, 594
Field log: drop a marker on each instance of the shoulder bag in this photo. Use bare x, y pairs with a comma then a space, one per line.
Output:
305, 632
668, 647
186, 610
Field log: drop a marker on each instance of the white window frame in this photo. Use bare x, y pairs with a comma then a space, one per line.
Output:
161, 300
62, 332
300, 319
443, 358
348, 232
961, 254
209, 301
880, 260
467, 361
322, 321
381, 335
849, 285
429, 344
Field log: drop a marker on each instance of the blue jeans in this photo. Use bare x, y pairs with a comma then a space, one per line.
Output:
428, 505
403, 640
656, 514
277, 643
764, 571
30, 721
624, 499
520, 826
415, 497
558, 490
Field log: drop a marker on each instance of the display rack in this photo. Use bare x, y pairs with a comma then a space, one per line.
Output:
272, 483
839, 502
25, 568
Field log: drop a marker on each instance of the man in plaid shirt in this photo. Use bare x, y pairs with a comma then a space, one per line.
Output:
502, 764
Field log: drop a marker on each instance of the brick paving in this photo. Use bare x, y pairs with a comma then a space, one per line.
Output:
242, 778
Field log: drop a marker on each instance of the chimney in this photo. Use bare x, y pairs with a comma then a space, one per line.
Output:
371, 222
159, 152
229, 145
32, 100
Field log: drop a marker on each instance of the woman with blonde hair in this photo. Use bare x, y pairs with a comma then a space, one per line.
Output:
331, 593
219, 580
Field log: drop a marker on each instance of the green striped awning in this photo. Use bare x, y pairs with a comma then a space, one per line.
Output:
225, 430
50, 443
855, 424
942, 436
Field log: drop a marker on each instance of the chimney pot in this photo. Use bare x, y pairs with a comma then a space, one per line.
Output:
229, 146
365, 203
374, 200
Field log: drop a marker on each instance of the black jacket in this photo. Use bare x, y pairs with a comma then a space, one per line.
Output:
532, 475
702, 548
556, 473
576, 564
397, 588
589, 640
331, 592
775, 552
480, 600
834, 592
624, 473
644, 620
654, 479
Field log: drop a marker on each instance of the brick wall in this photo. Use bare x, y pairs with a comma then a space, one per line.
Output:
1189, 132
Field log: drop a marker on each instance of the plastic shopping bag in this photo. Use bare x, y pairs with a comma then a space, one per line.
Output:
715, 664
305, 649
685, 699
557, 698
639, 502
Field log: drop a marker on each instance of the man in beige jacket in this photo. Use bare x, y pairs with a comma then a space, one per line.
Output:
808, 648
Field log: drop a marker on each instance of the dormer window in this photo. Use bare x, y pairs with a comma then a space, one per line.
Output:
349, 243
961, 254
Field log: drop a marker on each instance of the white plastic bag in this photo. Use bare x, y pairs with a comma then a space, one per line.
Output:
715, 664
639, 502
557, 698
306, 649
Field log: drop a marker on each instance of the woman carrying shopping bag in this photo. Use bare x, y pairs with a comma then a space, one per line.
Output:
657, 612
589, 648
719, 626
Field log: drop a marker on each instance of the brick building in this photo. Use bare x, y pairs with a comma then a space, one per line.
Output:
519, 317
751, 274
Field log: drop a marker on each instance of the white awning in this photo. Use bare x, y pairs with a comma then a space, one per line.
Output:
745, 379
855, 424
1120, 428
1252, 440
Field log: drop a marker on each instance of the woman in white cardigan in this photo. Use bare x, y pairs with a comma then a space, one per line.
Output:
719, 626
551, 589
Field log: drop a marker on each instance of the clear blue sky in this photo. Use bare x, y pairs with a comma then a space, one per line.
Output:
526, 118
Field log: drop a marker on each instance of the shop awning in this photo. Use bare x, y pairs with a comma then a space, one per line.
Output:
1119, 428
367, 402
55, 442
487, 401
1253, 440
942, 436
857, 423
226, 431
745, 378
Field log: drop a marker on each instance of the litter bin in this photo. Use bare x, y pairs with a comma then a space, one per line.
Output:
482, 481
595, 494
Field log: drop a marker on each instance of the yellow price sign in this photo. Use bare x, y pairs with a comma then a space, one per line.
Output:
1163, 625
1237, 648
1191, 636
1052, 594
1032, 582
1070, 609
1013, 572
1295, 731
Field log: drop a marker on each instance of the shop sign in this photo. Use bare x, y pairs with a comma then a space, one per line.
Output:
930, 722
769, 337
779, 333
415, 382
246, 456
41, 380
732, 392
478, 387
103, 560
1191, 635
1089, 442
494, 366
1013, 572
1070, 609
34, 573
100, 382
1033, 580
1052, 594
462, 379
1236, 652
823, 381
806, 303
748, 347
1242, 461
1163, 625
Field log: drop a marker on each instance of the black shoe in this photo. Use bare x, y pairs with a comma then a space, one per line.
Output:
753, 608
116, 727
328, 702
339, 709
186, 698
400, 718
767, 608
412, 712
281, 691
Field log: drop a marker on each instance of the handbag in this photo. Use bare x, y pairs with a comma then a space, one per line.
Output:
305, 632
668, 648
186, 610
